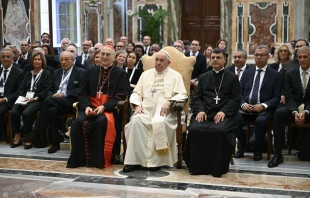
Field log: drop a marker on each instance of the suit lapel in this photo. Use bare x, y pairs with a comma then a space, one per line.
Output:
298, 80
251, 80
58, 79
71, 78
266, 77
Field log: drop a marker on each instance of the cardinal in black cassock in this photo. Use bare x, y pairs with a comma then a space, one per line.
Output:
211, 133
93, 137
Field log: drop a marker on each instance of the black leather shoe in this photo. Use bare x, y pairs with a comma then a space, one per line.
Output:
29, 138
239, 154
275, 161
130, 168
16, 145
54, 148
153, 169
216, 175
28, 146
257, 156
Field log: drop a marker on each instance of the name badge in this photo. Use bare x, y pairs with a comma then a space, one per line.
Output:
29, 94
1, 90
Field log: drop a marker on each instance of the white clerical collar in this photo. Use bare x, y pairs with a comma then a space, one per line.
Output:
218, 71
163, 72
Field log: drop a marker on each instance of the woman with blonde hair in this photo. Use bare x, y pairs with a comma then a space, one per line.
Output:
282, 54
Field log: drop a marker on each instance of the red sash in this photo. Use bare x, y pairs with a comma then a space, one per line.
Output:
111, 132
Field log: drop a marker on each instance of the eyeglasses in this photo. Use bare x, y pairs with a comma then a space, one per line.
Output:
193, 44
85, 45
23, 45
299, 46
72, 51
283, 51
120, 46
260, 55
105, 54
177, 46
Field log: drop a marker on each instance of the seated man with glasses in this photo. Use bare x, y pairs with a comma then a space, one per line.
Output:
261, 91
178, 44
94, 131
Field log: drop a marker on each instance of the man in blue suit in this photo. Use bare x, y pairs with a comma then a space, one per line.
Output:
261, 91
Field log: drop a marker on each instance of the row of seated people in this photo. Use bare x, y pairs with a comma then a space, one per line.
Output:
49, 94
215, 118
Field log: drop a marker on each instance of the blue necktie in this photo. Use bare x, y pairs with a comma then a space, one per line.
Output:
256, 88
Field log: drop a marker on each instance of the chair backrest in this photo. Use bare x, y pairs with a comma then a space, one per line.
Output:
180, 63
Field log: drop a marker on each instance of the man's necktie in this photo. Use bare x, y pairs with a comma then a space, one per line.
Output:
4, 74
85, 58
256, 88
239, 72
23, 56
304, 79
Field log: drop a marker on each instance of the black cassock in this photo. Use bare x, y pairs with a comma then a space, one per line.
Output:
116, 86
209, 146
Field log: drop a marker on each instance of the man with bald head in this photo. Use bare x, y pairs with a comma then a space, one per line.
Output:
110, 41
150, 134
63, 92
94, 131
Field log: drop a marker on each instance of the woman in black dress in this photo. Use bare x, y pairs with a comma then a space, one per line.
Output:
133, 72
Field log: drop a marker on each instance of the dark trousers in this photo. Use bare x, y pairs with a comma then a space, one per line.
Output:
50, 114
4, 108
261, 125
281, 116
27, 112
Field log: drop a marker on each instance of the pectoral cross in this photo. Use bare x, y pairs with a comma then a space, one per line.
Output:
153, 91
217, 99
99, 93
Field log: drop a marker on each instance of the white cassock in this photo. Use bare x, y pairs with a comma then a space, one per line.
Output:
151, 138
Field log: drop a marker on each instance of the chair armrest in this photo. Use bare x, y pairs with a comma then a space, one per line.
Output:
178, 106
75, 105
120, 104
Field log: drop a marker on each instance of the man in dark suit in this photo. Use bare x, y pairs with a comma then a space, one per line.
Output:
261, 91
84, 56
66, 84
10, 80
46, 39
297, 106
24, 48
200, 66
240, 58
147, 44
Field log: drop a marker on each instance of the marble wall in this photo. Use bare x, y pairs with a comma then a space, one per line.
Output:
15, 22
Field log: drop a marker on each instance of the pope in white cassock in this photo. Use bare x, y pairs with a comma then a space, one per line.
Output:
151, 132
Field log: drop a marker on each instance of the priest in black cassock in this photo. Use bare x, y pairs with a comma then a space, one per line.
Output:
95, 130
211, 133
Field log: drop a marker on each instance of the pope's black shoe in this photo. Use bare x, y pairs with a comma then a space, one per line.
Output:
130, 168
153, 169
257, 156
275, 161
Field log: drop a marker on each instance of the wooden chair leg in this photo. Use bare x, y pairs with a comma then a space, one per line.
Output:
269, 140
289, 139
232, 160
